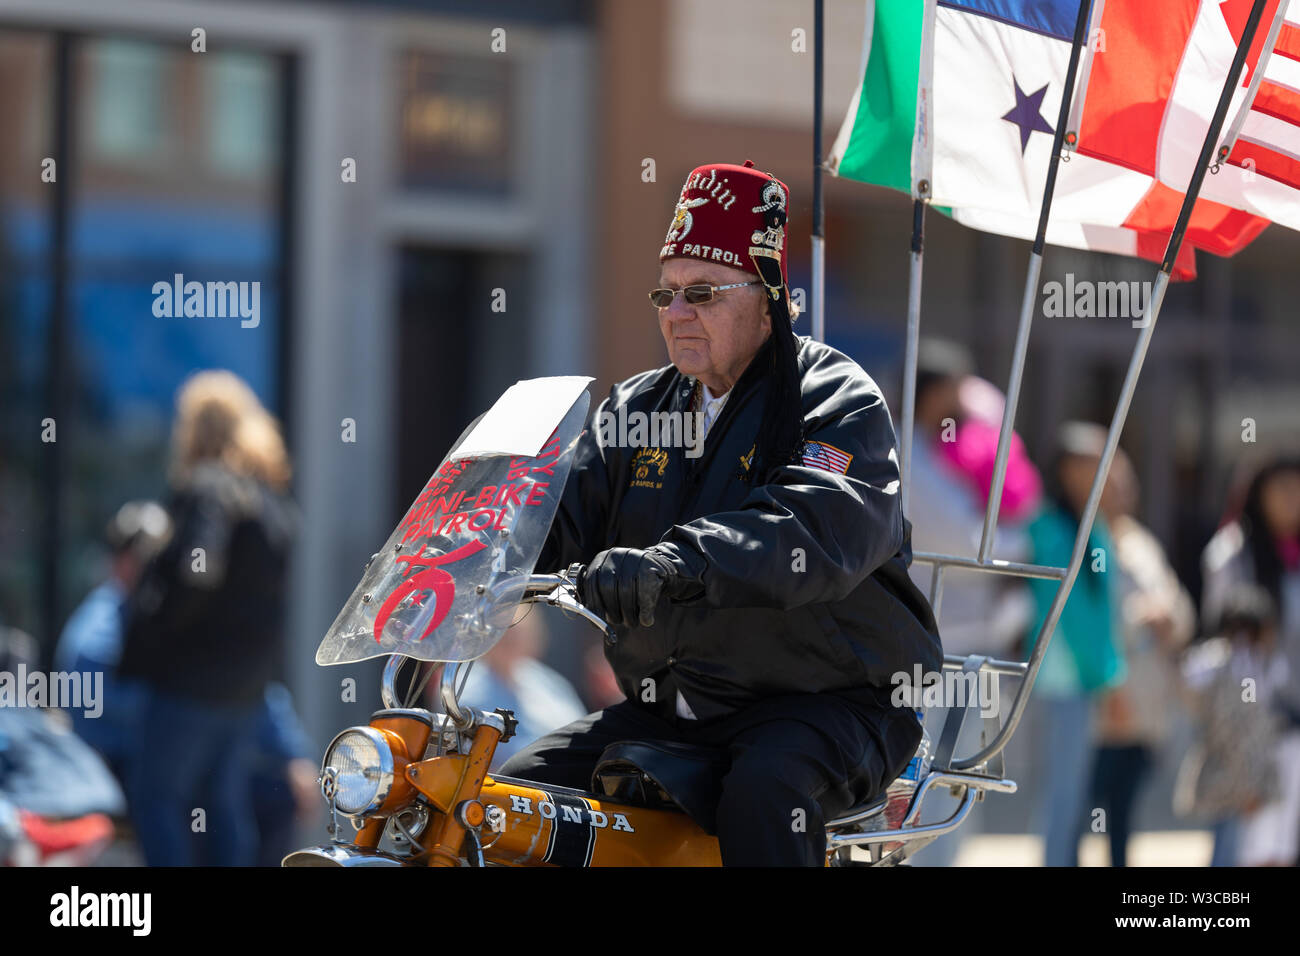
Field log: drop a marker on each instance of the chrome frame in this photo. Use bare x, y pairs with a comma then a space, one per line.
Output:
1029, 305
859, 814
405, 837
969, 785
340, 854
991, 750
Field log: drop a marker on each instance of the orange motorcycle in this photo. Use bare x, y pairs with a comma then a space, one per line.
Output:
414, 784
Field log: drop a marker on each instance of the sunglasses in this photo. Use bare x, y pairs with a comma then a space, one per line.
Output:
693, 294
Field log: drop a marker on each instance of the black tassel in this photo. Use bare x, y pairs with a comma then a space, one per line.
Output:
780, 436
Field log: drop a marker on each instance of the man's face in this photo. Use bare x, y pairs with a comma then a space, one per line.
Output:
714, 341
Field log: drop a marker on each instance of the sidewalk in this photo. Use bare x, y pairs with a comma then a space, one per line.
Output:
1156, 848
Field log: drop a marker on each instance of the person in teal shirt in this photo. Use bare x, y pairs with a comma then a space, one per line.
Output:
1084, 656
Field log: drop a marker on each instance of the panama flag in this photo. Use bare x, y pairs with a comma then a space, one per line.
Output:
964, 95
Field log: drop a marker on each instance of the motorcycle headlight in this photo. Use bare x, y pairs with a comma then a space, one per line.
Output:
358, 768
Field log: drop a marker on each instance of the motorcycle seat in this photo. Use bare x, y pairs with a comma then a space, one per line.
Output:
664, 774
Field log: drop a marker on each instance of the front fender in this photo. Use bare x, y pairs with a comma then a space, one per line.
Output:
340, 854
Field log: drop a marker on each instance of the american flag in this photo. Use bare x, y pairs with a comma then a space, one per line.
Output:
1265, 127
1146, 104
818, 454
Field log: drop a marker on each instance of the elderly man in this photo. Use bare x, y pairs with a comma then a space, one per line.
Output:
759, 590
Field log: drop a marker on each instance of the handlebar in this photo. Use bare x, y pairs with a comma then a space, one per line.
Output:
561, 591
557, 590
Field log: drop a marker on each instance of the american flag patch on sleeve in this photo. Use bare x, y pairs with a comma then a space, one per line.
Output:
818, 454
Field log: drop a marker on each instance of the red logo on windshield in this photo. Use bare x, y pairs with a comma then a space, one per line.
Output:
433, 579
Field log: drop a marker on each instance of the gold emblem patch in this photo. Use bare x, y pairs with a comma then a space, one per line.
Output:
747, 458
643, 462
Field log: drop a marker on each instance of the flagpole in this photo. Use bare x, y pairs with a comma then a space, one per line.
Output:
910, 358
819, 206
1148, 323
1030, 300
922, 172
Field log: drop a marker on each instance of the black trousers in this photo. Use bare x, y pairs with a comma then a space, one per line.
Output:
796, 761
1117, 775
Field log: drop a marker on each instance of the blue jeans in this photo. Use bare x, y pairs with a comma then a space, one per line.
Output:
1066, 763
1226, 833
194, 755
1117, 775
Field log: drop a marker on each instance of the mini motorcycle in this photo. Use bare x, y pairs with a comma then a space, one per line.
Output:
413, 785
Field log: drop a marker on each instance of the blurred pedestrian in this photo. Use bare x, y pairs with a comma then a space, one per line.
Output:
599, 684
282, 776
1085, 655
1157, 619
949, 493
512, 676
1242, 770
957, 416
206, 625
1259, 543
57, 795
91, 641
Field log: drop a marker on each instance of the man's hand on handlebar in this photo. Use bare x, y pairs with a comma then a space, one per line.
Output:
623, 585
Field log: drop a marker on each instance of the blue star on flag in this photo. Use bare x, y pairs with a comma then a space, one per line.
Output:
1025, 114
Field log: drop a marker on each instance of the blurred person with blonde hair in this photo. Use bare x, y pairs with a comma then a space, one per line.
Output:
219, 419
205, 626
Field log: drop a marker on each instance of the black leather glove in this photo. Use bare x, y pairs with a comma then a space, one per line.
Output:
623, 585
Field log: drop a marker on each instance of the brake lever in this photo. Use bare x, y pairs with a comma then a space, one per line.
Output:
565, 597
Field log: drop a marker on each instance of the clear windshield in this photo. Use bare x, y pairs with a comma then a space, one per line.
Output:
448, 580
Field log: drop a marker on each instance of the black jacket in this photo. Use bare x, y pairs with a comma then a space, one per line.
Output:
801, 582
214, 631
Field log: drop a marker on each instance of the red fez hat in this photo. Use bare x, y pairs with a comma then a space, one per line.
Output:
734, 215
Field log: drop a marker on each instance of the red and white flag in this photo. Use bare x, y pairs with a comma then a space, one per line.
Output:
1151, 78
964, 96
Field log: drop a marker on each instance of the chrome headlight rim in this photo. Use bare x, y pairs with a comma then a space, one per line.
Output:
387, 770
